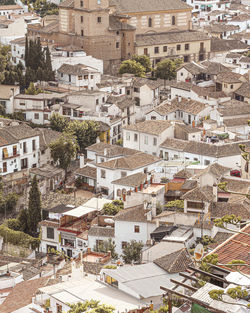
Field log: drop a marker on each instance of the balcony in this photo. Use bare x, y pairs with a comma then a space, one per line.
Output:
10, 156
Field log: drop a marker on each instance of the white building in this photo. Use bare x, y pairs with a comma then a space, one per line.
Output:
226, 154
7, 94
18, 51
8, 10
242, 20
147, 136
111, 170
19, 148
73, 56
78, 75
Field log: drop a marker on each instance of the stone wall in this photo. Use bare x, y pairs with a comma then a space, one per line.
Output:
18, 251
92, 268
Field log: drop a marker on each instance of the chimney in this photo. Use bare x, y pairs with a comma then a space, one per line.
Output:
215, 192
179, 98
97, 139
81, 160
153, 201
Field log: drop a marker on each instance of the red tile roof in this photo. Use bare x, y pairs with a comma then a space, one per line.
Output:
237, 247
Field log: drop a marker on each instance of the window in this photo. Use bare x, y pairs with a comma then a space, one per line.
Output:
135, 137
145, 51
50, 233
33, 145
36, 116
82, 32
186, 59
81, 3
117, 45
153, 118
149, 22
156, 50
127, 136
136, 229
103, 174
201, 45
146, 140
178, 47
81, 19
165, 48
187, 46
155, 141
207, 162
91, 76
24, 163
79, 77
136, 89
232, 86
25, 147
46, 117
86, 77
14, 150
124, 244
173, 20
58, 308
99, 19
4, 167
97, 101
5, 153
61, 76
79, 242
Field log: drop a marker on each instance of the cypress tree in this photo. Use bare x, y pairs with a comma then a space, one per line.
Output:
26, 56
34, 208
48, 66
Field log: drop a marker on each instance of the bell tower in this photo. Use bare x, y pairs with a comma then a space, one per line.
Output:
91, 17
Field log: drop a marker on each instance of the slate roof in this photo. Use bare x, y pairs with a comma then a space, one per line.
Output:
130, 162
244, 90
111, 150
152, 84
47, 136
133, 214
87, 171
99, 231
203, 148
220, 209
229, 77
170, 37
131, 6
21, 295
149, 127
12, 134
133, 180
236, 246
199, 194
226, 45
78, 69
175, 262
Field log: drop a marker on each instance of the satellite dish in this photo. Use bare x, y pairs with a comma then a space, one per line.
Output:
198, 252
109, 221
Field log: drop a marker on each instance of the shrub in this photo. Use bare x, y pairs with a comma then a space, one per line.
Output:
13, 224
18, 238
110, 267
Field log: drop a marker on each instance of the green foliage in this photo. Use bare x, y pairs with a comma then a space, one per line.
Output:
132, 252
43, 8
32, 90
8, 202
23, 219
179, 204
144, 60
34, 208
58, 122
113, 208
227, 219
85, 132
207, 240
236, 293
91, 306
64, 149
164, 180
18, 238
13, 223
7, 2
106, 246
207, 260
132, 67
110, 267
216, 294
166, 69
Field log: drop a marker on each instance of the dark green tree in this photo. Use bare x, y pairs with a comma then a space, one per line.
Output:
23, 220
144, 60
49, 73
113, 208
58, 122
132, 67
34, 208
106, 246
166, 69
132, 252
26, 55
63, 150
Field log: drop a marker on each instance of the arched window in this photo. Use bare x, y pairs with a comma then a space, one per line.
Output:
124, 191
149, 22
173, 20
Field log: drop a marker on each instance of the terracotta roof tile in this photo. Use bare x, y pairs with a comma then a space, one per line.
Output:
133, 214
149, 127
